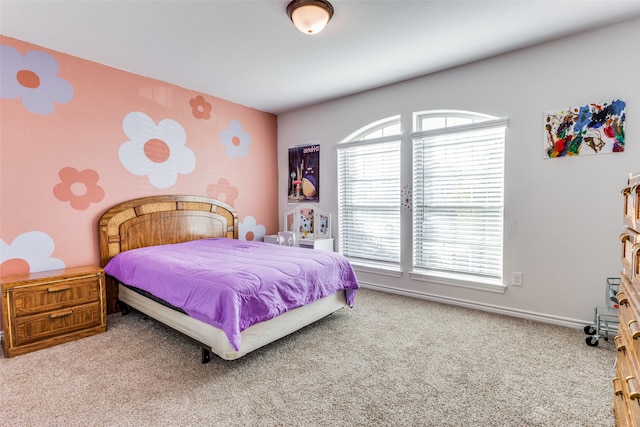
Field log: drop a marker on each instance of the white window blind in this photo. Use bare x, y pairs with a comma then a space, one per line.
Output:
369, 200
458, 186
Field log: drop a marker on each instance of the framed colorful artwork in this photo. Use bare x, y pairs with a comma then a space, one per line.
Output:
304, 174
595, 128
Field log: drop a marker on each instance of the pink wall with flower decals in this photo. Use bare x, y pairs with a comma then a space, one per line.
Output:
78, 137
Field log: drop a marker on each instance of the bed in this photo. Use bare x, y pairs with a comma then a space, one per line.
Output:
165, 235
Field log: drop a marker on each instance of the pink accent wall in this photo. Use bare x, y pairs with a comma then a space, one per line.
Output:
72, 144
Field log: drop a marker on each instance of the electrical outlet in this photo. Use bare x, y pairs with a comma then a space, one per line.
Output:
516, 278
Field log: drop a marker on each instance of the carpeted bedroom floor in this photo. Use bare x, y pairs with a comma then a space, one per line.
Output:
389, 361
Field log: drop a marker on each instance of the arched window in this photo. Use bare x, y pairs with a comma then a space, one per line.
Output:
369, 194
458, 203
389, 126
439, 119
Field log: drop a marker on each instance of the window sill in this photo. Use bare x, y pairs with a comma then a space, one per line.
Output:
375, 268
478, 284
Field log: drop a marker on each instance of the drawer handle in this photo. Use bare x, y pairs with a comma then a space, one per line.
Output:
58, 288
634, 328
60, 314
633, 387
617, 386
619, 345
622, 298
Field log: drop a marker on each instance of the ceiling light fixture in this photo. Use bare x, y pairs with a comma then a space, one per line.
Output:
310, 16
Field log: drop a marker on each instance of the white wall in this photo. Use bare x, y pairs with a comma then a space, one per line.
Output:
562, 216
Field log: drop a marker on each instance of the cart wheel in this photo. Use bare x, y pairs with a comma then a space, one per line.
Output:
592, 341
589, 330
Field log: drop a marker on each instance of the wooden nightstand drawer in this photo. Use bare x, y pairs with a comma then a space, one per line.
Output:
52, 307
55, 295
629, 385
626, 385
631, 210
621, 411
629, 238
37, 327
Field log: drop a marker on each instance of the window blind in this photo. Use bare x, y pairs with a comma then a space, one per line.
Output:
369, 201
458, 187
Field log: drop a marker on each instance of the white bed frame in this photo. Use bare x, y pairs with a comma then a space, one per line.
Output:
158, 220
214, 340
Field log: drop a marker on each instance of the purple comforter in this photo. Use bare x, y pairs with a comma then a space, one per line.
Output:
233, 284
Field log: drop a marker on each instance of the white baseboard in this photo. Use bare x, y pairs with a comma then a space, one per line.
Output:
529, 315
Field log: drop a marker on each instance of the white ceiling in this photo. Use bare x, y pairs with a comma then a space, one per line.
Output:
248, 52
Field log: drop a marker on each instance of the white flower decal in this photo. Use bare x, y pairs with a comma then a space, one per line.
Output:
30, 252
155, 150
34, 78
250, 230
236, 140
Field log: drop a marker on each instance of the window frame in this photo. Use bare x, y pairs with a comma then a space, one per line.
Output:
357, 140
483, 122
407, 233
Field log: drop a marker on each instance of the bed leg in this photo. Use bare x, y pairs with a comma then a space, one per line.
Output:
206, 355
125, 309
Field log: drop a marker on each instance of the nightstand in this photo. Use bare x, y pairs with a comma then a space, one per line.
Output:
47, 308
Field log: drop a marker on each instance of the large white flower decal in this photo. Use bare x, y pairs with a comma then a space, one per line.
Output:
30, 252
34, 78
155, 150
236, 140
251, 230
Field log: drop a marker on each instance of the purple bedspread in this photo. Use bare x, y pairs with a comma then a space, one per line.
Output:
233, 284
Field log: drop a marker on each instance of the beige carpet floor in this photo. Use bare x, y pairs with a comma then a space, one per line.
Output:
389, 361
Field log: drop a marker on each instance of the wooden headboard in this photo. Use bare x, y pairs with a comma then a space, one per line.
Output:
160, 220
